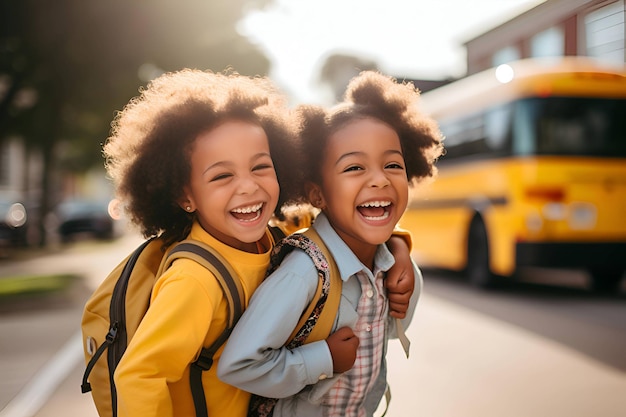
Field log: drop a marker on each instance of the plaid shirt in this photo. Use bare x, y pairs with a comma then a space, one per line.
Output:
348, 394
297, 379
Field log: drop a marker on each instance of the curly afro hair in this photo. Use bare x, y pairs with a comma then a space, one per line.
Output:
373, 95
148, 152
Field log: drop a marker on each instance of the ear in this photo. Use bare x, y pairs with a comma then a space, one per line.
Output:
186, 201
315, 195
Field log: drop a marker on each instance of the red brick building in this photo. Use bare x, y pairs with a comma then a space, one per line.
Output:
555, 28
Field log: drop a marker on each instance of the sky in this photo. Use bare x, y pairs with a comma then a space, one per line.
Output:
407, 38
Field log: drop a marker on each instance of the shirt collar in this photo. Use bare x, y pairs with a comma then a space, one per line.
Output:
346, 260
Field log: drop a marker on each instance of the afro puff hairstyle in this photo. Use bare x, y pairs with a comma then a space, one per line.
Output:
148, 152
372, 95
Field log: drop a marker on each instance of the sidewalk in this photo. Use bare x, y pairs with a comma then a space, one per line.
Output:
465, 364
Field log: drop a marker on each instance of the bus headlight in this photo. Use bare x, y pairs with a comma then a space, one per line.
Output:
554, 211
534, 223
582, 216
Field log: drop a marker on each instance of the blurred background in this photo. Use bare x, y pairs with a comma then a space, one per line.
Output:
522, 236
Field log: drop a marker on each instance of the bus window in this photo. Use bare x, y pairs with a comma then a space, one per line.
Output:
481, 134
571, 126
524, 142
497, 127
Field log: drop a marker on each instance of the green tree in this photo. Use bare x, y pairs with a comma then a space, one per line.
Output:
338, 69
66, 66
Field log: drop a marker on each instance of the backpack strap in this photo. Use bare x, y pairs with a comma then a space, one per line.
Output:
325, 264
277, 234
233, 291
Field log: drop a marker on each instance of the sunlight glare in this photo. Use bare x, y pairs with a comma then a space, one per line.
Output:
504, 73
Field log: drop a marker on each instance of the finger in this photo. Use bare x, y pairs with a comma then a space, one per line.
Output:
345, 333
354, 341
397, 314
394, 279
400, 284
400, 307
399, 298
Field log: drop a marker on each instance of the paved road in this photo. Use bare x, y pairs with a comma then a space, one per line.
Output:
463, 364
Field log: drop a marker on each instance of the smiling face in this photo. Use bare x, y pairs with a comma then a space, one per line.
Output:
233, 186
364, 188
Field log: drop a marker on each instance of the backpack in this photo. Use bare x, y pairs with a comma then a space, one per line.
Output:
115, 309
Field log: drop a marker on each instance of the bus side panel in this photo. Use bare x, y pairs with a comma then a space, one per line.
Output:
439, 236
502, 225
439, 216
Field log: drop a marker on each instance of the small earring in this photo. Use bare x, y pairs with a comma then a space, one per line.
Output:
188, 208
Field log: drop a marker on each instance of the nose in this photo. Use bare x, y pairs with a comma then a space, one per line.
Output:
247, 185
379, 179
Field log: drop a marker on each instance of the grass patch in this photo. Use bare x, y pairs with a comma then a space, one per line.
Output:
34, 284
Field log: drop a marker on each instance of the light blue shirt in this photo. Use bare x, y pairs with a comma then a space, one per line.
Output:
255, 358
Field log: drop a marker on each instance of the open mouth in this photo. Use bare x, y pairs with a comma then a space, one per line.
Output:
248, 213
375, 210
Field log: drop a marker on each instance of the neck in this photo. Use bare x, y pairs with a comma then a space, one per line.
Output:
365, 252
367, 259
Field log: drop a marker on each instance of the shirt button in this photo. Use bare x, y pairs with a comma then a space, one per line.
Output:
368, 328
369, 293
323, 377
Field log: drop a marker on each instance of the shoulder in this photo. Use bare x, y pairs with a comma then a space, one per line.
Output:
188, 276
296, 272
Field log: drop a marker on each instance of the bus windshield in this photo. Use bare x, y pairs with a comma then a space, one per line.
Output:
570, 126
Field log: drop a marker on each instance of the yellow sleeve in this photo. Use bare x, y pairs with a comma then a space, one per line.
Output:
166, 342
404, 235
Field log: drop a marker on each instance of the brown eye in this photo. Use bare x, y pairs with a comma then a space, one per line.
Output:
221, 177
353, 168
262, 166
394, 165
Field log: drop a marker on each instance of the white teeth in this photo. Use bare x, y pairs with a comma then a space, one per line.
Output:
249, 209
383, 217
376, 204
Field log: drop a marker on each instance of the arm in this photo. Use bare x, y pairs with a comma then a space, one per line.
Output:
406, 321
255, 358
165, 342
400, 280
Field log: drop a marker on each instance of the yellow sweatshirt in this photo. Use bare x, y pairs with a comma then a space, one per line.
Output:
187, 311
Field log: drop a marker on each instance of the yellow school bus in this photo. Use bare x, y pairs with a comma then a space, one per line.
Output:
534, 174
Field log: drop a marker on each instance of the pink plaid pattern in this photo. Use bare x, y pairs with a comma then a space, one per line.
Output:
347, 395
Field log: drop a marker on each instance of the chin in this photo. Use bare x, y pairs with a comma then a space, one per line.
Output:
251, 236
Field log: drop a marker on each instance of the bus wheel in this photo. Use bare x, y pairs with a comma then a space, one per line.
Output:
477, 270
606, 280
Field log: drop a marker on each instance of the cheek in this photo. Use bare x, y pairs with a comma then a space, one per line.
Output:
272, 188
403, 193
275, 191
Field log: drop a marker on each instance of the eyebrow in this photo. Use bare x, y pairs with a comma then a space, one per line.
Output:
358, 153
227, 163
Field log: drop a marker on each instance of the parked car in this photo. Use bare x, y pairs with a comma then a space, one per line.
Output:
79, 217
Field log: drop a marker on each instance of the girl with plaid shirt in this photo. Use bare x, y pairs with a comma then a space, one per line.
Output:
361, 157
